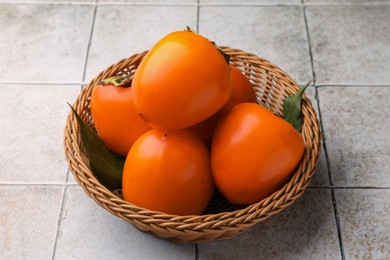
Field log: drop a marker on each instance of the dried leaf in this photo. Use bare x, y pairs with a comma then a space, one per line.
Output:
106, 165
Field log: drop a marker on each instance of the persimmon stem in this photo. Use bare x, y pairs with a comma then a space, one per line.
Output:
118, 81
188, 29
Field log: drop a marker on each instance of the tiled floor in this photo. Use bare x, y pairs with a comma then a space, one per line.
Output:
50, 48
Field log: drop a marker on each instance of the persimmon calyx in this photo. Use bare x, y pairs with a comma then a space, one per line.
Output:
118, 81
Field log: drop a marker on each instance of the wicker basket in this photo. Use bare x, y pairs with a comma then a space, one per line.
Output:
220, 220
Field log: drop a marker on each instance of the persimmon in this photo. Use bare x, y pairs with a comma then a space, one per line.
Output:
116, 121
242, 91
205, 129
181, 81
253, 153
168, 171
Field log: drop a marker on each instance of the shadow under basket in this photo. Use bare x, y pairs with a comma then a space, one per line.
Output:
221, 220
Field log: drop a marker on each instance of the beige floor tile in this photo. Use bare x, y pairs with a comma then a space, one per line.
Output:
88, 231
29, 219
364, 222
121, 31
251, 1
32, 125
305, 230
345, 1
356, 134
48, 1
349, 43
145, 2
44, 48
274, 33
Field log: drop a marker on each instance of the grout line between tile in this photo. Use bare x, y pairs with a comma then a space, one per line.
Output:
309, 45
196, 252
60, 217
323, 138
332, 188
337, 219
90, 40
316, 90
197, 15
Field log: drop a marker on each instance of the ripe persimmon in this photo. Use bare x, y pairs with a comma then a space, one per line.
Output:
181, 81
242, 92
205, 129
253, 153
116, 121
168, 171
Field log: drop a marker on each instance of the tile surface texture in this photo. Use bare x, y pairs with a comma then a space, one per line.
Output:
87, 231
323, 2
365, 223
356, 134
49, 47
145, 2
275, 2
350, 44
29, 216
274, 33
32, 124
49, 1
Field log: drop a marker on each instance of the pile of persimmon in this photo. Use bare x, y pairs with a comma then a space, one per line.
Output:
188, 122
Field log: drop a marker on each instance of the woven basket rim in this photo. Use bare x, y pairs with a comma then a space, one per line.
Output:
197, 226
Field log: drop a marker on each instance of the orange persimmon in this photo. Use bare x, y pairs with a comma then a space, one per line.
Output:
116, 121
181, 81
168, 171
253, 153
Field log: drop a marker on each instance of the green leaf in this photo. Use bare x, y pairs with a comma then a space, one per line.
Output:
292, 111
106, 165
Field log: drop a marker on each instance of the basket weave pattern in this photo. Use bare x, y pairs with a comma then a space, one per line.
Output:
221, 220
